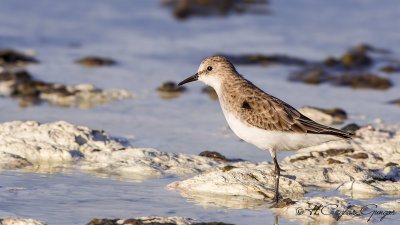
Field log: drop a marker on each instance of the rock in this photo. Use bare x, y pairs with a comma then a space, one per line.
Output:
363, 81
217, 156
228, 168
211, 92
335, 152
62, 144
154, 220
355, 59
10, 57
11, 161
324, 116
359, 189
170, 86
360, 155
364, 48
352, 127
265, 60
389, 68
391, 164
248, 182
21, 85
331, 61
311, 75
317, 75
95, 61
183, 9
104, 222
169, 90
20, 221
304, 157
353, 166
397, 102
333, 161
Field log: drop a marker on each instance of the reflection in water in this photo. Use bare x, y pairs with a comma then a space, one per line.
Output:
232, 202
169, 95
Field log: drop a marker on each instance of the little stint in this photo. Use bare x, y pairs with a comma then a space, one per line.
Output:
259, 118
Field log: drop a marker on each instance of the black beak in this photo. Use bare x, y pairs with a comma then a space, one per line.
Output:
189, 79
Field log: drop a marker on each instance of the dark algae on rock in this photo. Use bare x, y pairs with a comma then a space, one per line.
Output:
265, 60
95, 61
21, 85
147, 221
217, 156
183, 9
353, 68
9, 57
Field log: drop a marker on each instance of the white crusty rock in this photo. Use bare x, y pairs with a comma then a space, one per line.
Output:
151, 220
20, 221
85, 96
60, 143
360, 168
246, 180
156, 219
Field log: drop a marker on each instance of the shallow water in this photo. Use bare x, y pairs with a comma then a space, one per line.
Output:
150, 47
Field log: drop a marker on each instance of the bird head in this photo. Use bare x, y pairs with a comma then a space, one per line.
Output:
212, 71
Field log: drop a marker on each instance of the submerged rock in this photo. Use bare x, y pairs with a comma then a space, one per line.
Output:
170, 89
265, 60
27, 144
363, 48
154, 220
21, 85
397, 102
10, 57
95, 61
363, 81
390, 68
311, 75
183, 9
355, 59
317, 75
324, 116
352, 69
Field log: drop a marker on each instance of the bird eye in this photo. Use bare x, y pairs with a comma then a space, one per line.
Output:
209, 68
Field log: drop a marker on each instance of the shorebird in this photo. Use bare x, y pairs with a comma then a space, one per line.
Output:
259, 118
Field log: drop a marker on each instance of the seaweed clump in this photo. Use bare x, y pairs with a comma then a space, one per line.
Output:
183, 9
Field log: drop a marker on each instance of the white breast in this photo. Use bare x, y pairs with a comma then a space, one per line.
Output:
269, 140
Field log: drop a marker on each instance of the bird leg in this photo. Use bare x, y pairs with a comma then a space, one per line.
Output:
277, 174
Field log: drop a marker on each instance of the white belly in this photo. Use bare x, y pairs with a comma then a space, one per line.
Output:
274, 140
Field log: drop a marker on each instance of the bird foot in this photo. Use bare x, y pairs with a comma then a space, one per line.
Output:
276, 198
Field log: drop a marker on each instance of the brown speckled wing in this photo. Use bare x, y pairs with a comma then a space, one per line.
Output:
269, 113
